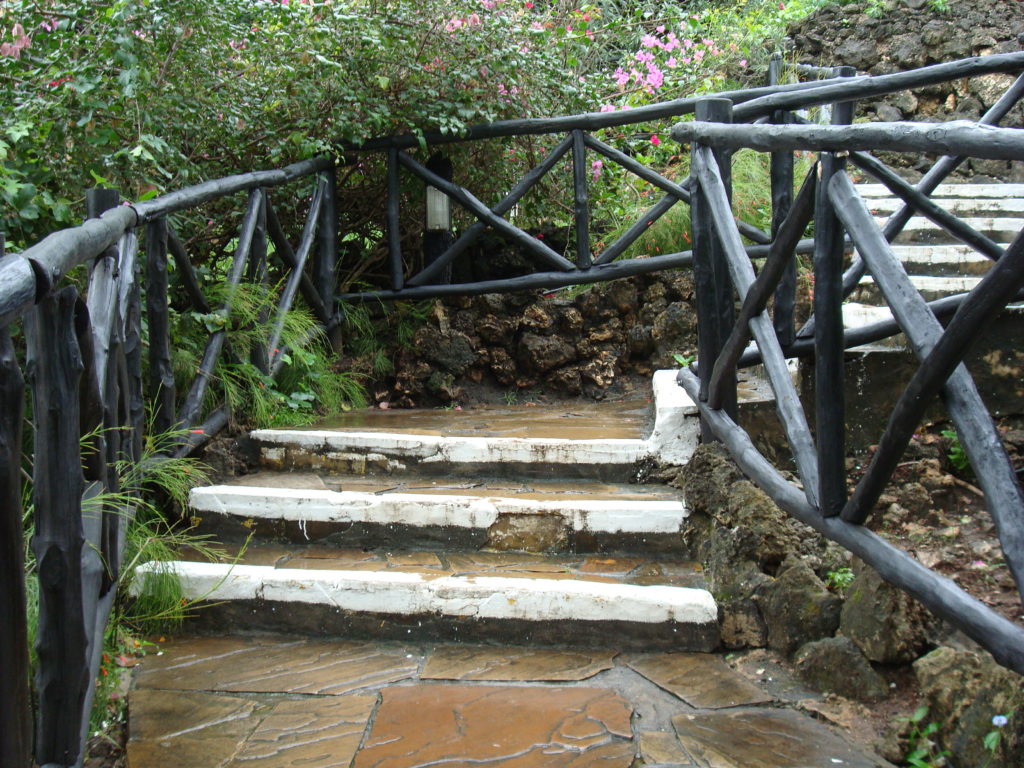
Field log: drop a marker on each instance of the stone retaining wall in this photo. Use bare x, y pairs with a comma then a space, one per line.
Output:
906, 34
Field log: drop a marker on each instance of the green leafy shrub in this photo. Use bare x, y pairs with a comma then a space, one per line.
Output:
156, 94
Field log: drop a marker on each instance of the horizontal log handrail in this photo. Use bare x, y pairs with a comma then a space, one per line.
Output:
957, 137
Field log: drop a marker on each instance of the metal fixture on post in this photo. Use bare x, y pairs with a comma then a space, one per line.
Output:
437, 235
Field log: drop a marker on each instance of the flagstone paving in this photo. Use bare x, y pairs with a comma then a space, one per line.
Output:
272, 701
475, 662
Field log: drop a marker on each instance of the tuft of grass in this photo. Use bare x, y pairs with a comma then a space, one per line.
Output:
306, 386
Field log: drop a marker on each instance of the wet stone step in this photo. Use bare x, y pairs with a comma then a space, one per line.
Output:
961, 206
952, 191
228, 702
611, 442
929, 287
938, 260
321, 590
607, 441
1002, 229
403, 510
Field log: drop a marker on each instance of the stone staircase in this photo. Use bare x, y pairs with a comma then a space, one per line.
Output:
479, 587
491, 587
462, 524
937, 265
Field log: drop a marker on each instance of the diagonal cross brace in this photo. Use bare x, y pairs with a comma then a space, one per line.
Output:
978, 433
787, 401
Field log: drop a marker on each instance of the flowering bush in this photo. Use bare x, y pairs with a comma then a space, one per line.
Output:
155, 94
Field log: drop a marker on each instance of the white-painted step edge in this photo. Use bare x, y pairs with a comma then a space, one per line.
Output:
949, 283
856, 315
951, 190
673, 440
452, 449
483, 597
1011, 206
1000, 226
941, 253
425, 509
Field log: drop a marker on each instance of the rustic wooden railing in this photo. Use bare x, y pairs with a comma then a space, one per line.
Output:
85, 374
585, 263
84, 358
767, 119
722, 272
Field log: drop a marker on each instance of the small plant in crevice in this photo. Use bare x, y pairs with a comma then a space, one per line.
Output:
839, 580
923, 752
994, 738
957, 455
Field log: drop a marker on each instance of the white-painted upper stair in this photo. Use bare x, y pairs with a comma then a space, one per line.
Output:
936, 264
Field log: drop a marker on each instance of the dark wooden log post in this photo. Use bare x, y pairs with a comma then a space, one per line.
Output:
830, 405
15, 702
581, 200
437, 235
298, 261
782, 201
55, 367
131, 318
286, 254
257, 275
326, 280
161, 373
711, 277
394, 222
187, 273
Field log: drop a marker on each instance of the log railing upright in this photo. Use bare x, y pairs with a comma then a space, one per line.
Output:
83, 365
841, 218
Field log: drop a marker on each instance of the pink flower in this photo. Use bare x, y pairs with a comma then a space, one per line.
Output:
643, 56
743, 62
655, 77
655, 140
660, 29
529, 5
649, 41
596, 168
607, 107
671, 62
473, 20
621, 76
